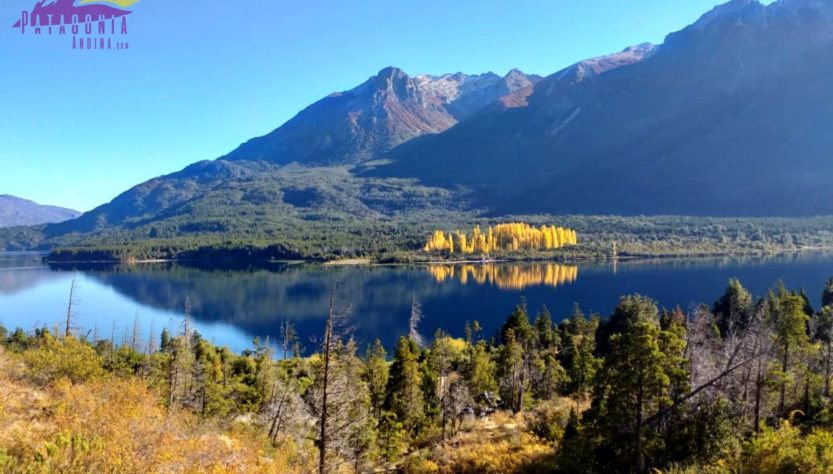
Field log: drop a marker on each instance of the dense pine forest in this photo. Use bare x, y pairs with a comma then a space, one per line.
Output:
742, 385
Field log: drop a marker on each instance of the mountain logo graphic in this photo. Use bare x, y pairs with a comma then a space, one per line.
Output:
65, 12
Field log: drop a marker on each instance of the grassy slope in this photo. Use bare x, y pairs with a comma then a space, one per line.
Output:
74, 427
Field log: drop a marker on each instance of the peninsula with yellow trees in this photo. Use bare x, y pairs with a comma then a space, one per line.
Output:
507, 237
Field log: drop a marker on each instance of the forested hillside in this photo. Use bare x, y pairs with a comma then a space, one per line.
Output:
742, 385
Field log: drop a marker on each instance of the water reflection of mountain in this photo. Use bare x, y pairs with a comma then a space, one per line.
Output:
19, 279
257, 300
22, 270
508, 277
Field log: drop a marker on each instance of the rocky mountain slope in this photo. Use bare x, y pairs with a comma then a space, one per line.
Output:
729, 116
385, 111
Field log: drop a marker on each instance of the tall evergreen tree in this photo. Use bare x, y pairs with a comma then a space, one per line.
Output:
733, 310
579, 339
789, 323
480, 370
376, 376
635, 381
827, 294
404, 392
547, 336
824, 334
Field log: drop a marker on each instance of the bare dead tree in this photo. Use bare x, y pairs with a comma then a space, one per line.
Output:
456, 399
173, 373
134, 338
70, 308
112, 339
285, 403
180, 362
731, 365
150, 348
290, 337
340, 400
328, 337
151, 345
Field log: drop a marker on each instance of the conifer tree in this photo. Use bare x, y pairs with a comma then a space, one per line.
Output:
734, 309
790, 333
642, 372
404, 392
376, 376
480, 371
579, 335
827, 294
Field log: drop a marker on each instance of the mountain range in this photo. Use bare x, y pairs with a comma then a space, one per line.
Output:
15, 211
727, 117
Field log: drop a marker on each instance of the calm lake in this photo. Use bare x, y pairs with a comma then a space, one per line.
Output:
232, 306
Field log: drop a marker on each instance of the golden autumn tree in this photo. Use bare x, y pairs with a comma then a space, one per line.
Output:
511, 236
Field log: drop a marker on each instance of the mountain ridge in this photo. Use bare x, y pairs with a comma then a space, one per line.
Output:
384, 111
16, 211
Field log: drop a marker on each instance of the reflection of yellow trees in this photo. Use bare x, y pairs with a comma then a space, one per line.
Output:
510, 277
510, 236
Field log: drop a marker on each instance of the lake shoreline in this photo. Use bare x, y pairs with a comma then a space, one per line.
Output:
371, 261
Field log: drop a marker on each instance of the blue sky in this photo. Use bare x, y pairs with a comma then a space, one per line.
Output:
200, 77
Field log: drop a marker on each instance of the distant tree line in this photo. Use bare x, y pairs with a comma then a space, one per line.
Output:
403, 239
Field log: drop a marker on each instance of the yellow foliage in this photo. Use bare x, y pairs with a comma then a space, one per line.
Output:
508, 236
773, 451
786, 450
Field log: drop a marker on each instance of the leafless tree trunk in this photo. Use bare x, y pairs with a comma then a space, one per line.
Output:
322, 437
134, 338
112, 339
173, 376
70, 304
288, 335
277, 419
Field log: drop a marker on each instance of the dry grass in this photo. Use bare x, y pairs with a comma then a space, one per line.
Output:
500, 443
110, 425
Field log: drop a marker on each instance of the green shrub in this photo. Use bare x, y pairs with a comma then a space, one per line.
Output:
785, 450
549, 419
52, 359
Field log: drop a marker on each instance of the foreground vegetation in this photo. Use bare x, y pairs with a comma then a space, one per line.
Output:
403, 239
741, 386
